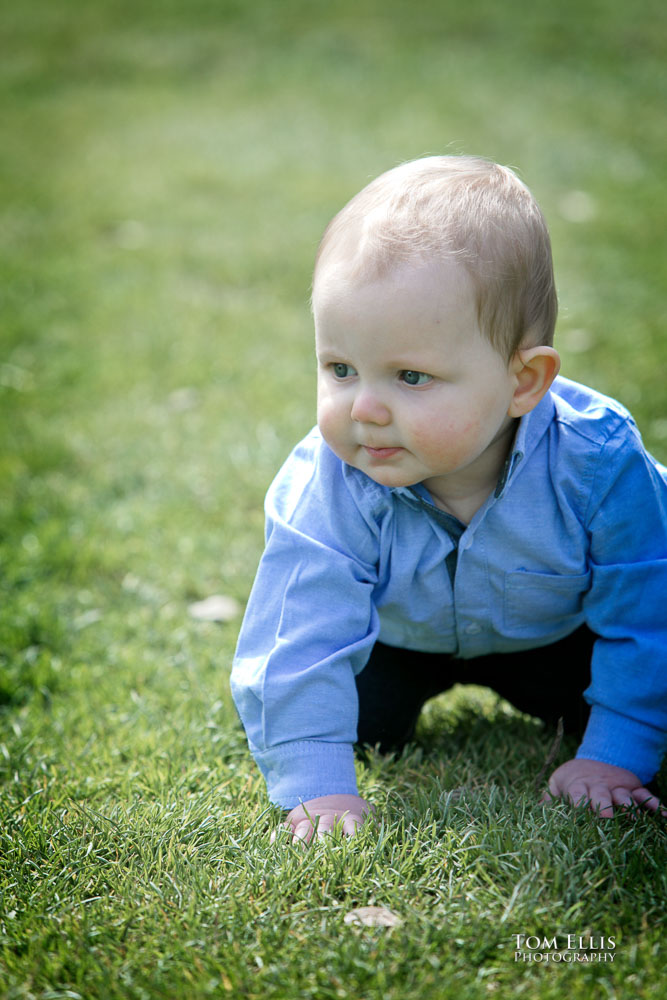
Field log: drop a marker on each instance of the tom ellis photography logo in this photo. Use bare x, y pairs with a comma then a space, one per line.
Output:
570, 949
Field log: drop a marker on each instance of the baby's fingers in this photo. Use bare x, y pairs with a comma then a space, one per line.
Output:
327, 824
646, 800
299, 831
284, 832
351, 824
306, 829
598, 796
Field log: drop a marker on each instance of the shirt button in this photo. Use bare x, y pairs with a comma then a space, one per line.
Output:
473, 629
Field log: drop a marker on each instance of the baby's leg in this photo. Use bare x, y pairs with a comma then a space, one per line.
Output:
547, 682
392, 689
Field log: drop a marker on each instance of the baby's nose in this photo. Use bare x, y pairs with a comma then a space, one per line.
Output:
368, 408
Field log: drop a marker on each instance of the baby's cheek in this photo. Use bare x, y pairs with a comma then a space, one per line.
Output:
332, 425
441, 439
325, 417
458, 445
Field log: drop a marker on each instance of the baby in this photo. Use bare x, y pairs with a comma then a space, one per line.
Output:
461, 514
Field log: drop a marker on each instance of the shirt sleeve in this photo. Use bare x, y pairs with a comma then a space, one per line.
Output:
308, 629
625, 607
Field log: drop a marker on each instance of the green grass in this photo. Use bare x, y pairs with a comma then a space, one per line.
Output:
166, 171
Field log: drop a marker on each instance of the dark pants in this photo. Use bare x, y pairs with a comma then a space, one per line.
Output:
547, 682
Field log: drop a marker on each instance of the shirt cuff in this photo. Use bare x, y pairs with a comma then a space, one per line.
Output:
615, 739
306, 769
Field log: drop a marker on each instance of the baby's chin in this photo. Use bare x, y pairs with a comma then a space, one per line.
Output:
393, 482
391, 478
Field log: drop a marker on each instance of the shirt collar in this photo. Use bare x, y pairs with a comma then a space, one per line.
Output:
532, 428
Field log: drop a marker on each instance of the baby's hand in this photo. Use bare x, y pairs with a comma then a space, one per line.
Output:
319, 816
602, 786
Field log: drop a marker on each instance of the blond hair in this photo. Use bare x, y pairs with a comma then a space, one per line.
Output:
459, 208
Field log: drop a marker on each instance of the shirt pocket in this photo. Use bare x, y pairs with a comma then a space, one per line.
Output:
542, 604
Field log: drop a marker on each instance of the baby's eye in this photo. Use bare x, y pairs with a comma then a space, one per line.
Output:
342, 370
415, 378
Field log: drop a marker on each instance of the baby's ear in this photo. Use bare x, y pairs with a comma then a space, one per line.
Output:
535, 368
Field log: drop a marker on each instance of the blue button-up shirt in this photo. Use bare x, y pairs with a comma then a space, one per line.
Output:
575, 533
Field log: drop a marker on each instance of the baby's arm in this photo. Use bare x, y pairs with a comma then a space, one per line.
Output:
317, 817
601, 786
626, 522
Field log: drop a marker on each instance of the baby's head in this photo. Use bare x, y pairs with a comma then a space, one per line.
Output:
454, 209
434, 307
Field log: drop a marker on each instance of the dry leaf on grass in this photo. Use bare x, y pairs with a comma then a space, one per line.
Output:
216, 608
373, 916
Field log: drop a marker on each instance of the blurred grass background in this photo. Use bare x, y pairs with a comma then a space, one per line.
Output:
166, 171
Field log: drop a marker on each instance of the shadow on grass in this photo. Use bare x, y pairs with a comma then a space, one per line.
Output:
470, 739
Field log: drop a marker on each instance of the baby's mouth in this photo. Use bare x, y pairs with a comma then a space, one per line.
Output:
381, 452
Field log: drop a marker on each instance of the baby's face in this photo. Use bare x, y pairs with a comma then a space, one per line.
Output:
409, 390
